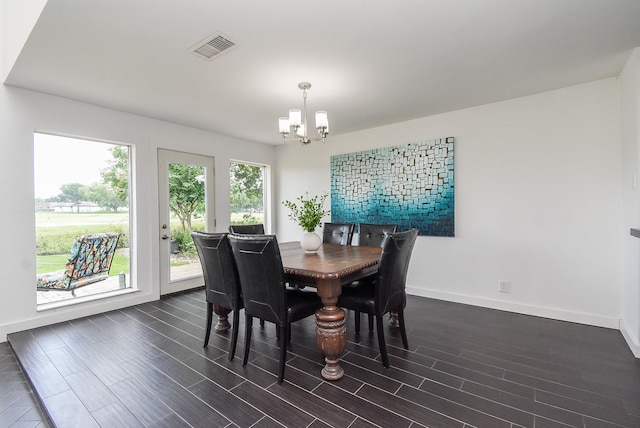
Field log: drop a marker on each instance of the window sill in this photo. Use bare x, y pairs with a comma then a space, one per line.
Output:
84, 299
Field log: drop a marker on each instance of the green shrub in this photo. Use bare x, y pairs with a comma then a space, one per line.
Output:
57, 262
54, 244
61, 243
123, 242
247, 218
186, 246
62, 228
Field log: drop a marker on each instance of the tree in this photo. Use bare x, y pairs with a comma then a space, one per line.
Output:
116, 175
71, 192
186, 187
102, 195
246, 186
186, 192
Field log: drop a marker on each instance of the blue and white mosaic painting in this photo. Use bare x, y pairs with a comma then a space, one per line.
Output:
410, 185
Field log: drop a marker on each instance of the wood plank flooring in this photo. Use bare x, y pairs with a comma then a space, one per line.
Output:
467, 366
18, 405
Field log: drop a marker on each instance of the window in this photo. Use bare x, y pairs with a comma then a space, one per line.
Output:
247, 193
82, 217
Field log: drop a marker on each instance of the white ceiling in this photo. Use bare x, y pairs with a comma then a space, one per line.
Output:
370, 62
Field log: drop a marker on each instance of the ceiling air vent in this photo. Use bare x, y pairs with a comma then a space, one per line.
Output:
212, 46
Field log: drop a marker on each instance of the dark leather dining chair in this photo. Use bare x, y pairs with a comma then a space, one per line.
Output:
388, 291
264, 293
372, 235
248, 229
337, 233
221, 283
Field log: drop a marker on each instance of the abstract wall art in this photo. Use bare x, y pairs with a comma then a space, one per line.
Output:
410, 185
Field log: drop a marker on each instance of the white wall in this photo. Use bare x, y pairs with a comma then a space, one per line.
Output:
21, 113
630, 123
537, 183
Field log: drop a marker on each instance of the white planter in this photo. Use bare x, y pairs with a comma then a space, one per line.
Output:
310, 242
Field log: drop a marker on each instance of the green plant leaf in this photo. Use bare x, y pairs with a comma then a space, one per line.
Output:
307, 211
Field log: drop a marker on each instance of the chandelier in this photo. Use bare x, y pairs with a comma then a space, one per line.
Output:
297, 121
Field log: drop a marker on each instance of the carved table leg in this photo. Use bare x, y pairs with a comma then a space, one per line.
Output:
223, 320
331, 333
393, 319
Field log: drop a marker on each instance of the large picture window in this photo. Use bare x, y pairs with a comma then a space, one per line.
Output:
81, 190
247, 193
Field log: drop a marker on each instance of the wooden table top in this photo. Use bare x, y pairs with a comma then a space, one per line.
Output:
330, 261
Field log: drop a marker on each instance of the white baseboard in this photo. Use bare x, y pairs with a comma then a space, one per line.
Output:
538, 311
94, 305
629, 338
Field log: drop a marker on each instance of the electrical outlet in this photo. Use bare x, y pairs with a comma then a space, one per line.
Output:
505, 286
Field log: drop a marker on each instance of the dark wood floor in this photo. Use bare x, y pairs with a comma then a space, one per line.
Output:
18, 405
467, 366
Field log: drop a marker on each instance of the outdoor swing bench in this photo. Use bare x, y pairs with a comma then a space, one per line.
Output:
89, 262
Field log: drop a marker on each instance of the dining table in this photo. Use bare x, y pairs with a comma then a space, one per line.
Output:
328, 269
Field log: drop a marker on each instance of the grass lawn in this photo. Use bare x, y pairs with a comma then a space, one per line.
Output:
51, 223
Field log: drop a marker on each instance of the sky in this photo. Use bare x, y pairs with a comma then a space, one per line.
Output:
62, 160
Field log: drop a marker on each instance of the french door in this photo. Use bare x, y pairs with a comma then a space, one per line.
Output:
186, 203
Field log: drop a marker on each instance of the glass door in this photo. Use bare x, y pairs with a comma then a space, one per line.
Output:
186, 204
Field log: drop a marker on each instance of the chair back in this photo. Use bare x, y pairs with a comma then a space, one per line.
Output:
247, 229
337, 233
91, 256
373, 235
392, 271
261, 276
222, 286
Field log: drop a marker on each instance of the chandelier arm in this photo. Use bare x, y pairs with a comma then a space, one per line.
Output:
302, 140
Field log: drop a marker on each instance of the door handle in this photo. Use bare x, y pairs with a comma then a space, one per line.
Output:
165, 237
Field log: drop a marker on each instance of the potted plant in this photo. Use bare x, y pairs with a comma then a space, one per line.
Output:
308, 212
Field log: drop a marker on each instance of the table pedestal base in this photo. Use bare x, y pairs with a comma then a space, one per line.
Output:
331, 334
393, 319
331, 267
223, 319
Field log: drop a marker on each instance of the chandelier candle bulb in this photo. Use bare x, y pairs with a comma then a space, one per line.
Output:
322, 122
284, 125
295, 117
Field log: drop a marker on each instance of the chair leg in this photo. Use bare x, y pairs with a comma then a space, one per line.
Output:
283, 353
357, 321
381, 343
247, 338
209, 321
261, 322
403, 332
234, 334
370, 322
